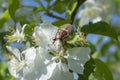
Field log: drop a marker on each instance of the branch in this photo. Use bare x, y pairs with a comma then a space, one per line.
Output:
79, 2
55, 16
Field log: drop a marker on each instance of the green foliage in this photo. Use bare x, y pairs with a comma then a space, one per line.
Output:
4, 74
61, 22
105, 47
102, 72
2, 35
59, 6
88, 69
100, 28
4, 18
92, 47
71, 7
13, 5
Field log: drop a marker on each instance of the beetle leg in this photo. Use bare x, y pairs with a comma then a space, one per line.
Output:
56, 37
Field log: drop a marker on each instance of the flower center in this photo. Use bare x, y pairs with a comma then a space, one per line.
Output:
91, 12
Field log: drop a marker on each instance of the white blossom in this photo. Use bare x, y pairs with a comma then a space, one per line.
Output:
29, 67
44, 35
48, 61
57, 69
77, 57
94, 11
18, 36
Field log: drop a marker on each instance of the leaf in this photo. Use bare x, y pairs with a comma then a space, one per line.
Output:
92, 47
61, 22
60, 6
48, 1
101, 28
102, 72
117, 54
105, 48
4, 74
4, 18
13, 5
3, 34
71, 7
29, 30
39, 9
88, 69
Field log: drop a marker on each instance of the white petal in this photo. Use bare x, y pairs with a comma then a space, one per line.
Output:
40, 37
43, 53
15, 52
36, 71
48, 29
11, 67
77, 57
60, 72
84, 21
30, 55
45, 32
97, 19
50, 68
38, 68
18, 27
15, 66
89, 3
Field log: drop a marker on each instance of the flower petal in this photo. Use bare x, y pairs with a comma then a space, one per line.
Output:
48, 29
61, 72
15, 66
37, 68
30, 55
40, 37
77, 57
15, 52
44, 36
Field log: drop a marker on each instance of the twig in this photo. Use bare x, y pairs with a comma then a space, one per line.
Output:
54, 16
79, 2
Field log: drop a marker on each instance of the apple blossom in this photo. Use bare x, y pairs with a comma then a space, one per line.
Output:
57, 67
94, 11
44, 35
47, 61
28, 67
17, 36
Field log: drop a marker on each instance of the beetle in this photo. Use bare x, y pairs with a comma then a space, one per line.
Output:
63, 32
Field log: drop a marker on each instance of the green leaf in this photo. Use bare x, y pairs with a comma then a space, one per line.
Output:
61, 22
13, 5
3, 34
48, 1
60, 6
4, 18
4, 74
88, 69
71, 7
101, 28
102, 72
92, 47
39, 9
117, 54
29, 29
105, 48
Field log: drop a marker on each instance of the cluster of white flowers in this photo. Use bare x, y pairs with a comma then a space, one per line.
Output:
94, 11
48, 61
